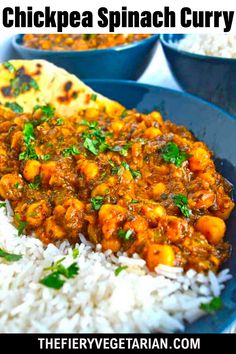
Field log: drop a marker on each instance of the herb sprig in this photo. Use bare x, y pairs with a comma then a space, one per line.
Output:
59, 273
214, 305
9, 257
172, 154
181, 201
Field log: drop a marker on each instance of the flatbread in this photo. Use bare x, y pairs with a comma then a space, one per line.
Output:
39, 82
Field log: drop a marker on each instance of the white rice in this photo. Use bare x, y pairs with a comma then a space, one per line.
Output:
219, 45
96, 300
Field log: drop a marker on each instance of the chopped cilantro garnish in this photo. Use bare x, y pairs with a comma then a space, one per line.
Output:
125, 235
134, 201
15, 107
114, 168
119, 269
10, 257
181, 201
93, 97
9, 66
97, 202
124, 113
94, 138
28, 154
134, 173
90, 145
45, 157
3, 205
47, 110
59, 121
172, 154
59, 274
36, 183
214, 305
72, 150
21, 224
123, 150
28, 133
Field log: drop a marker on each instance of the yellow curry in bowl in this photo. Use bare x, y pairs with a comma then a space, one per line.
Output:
79, 42
131, 182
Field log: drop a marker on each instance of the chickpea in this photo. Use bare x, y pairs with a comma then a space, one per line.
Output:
117, 126
91, 113
200, 159
16, 139
151, 133
158, 189
157, 117
74, 216
153, 212
159, 254
48, 169
52, 230
213, 228
11, 186
31, 170
89, 169
111, 244
37, 213
110, 216
173, 227
101, 189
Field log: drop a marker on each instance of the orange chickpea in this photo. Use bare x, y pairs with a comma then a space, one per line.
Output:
31, 170
159, 254
213, 228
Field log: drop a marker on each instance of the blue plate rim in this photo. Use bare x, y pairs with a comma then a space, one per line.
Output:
167, 89
14, 40
211, 58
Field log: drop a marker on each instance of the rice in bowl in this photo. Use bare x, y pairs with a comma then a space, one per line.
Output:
218, 45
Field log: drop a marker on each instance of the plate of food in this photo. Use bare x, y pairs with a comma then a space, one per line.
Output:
117, 213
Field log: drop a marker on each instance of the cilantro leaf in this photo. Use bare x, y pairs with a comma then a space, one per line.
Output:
72, 150
56, 279
90, 145
36, 184
28, 154
3, 204
181, 201
97, 202
47, 110
172, 154
53, 281
21, 224
134, 173
125, 235
93, 97
28, 133
120, 269
214, 305
10, 257
15, 107
59, 121
9, 66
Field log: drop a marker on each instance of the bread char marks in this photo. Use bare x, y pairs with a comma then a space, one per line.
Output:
69, 93
21, 81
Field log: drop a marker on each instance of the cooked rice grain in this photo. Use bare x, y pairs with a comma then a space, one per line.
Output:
96, 300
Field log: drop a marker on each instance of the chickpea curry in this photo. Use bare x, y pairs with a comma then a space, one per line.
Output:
131, 182
77, 42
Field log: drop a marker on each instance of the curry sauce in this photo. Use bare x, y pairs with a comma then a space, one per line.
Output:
78, 42
130, 182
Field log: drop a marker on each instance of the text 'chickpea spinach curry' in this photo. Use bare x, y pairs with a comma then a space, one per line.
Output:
129, 181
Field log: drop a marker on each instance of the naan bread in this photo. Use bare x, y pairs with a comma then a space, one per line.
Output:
39, 82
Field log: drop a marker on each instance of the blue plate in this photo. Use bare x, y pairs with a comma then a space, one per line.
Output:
212, 78
122, 62
218, 130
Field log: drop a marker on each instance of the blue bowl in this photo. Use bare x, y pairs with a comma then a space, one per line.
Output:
212, 78
121, 62
218, 130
